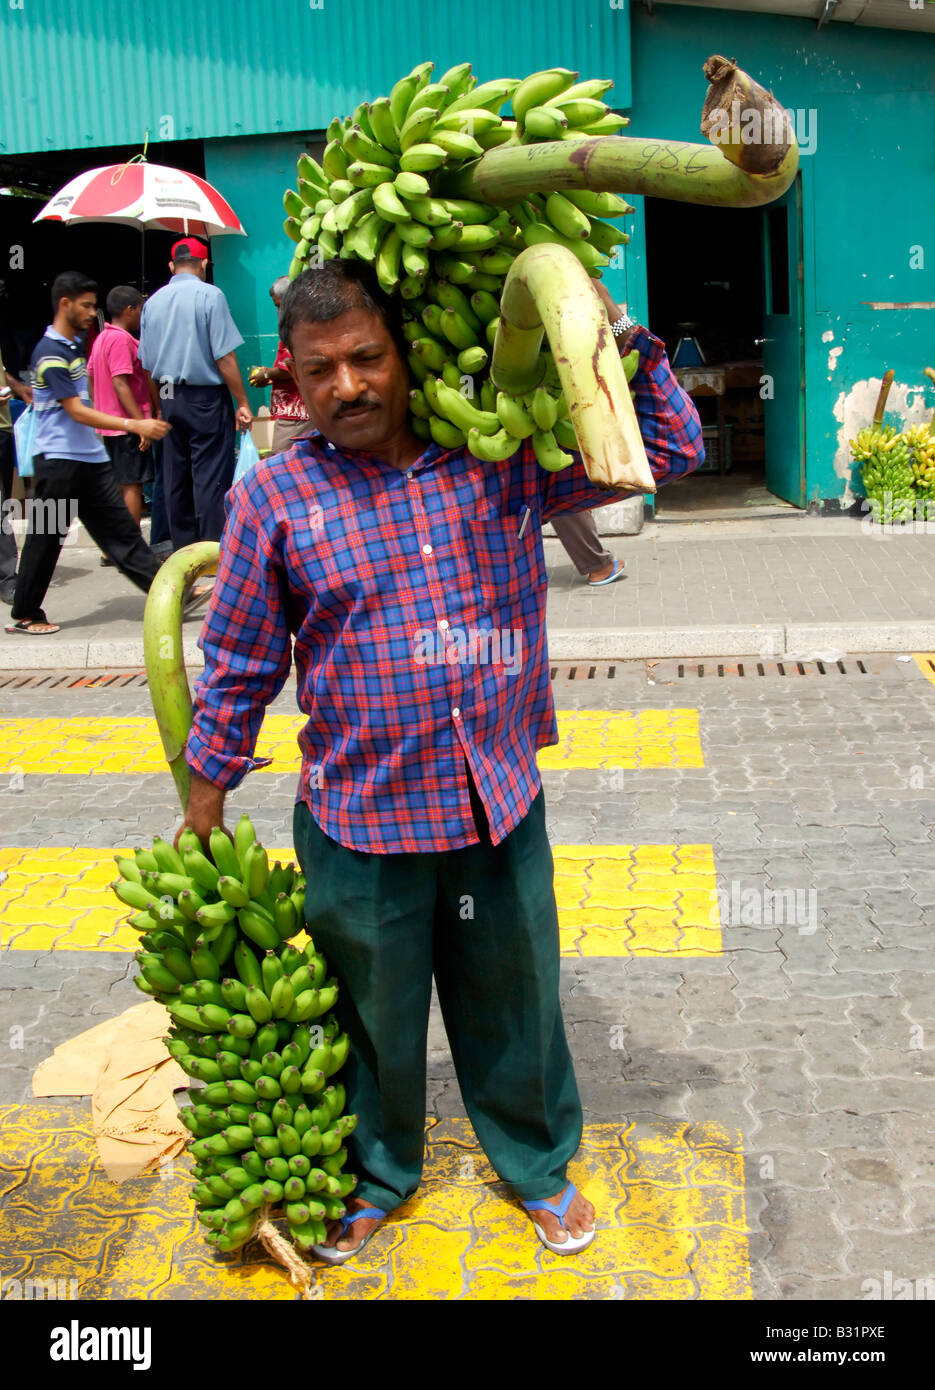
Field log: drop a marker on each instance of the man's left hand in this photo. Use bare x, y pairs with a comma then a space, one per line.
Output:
244, 417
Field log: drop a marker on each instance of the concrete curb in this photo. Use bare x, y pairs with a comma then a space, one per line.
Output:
800, 640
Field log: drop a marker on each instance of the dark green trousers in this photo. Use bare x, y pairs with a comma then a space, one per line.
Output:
483, 919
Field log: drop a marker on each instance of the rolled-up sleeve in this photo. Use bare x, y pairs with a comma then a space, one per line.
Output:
247, 647
669, 425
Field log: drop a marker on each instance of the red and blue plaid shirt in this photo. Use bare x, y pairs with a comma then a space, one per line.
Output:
417, 600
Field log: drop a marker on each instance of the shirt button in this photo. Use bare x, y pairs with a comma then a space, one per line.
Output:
409, 474
426, 550
456, 713
443, 622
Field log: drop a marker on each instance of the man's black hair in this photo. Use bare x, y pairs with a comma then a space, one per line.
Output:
71, 284
122, 297
335, 288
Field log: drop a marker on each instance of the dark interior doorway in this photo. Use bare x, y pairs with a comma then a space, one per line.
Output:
111, 255
705, 280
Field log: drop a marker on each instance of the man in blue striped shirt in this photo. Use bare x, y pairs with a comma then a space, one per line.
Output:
72, 471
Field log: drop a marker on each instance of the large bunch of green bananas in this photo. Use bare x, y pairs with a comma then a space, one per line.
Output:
920, 441
886, 472
252, 1022
380, 195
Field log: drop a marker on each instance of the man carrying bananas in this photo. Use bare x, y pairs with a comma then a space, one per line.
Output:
420, 817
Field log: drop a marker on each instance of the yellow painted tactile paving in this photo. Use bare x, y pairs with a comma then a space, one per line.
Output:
613, 900
926, 664
671, 1223
130, 745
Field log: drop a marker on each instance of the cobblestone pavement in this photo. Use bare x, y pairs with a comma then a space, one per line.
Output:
758, 1101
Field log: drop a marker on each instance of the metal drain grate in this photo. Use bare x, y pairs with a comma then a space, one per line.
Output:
72, 680
756, 668
583, 671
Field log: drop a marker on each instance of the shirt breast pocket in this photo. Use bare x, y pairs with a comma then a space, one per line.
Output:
508, 566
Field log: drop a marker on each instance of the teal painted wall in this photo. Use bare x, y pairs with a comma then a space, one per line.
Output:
868, 198
229, 70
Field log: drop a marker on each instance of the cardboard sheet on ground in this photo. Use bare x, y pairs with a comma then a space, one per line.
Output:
124, 1067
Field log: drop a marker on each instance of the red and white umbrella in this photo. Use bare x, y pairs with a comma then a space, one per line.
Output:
139, 194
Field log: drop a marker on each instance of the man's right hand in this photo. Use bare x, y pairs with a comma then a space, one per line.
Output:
150, 429
204, 811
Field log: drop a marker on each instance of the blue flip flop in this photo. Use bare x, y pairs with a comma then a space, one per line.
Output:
331, 1254
617, 573
573, 1244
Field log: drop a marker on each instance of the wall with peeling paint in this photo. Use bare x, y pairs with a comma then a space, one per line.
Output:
868, 200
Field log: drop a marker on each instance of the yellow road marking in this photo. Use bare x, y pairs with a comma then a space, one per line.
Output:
613, 900
926, 664
122, 745
670, 1199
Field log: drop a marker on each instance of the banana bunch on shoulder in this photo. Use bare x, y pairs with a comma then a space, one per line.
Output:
381, 194
252, 1024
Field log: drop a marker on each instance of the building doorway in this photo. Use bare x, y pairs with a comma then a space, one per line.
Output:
709, 293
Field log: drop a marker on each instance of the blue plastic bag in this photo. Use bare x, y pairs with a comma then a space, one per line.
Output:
248, 456
24, 432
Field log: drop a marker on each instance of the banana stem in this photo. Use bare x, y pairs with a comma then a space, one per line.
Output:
164, 653
752, 158
673, 169
548, 290
880, 406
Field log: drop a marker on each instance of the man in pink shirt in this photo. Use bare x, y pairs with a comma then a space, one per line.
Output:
120, 385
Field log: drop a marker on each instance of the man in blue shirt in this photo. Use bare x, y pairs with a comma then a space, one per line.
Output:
72, 472
187, 344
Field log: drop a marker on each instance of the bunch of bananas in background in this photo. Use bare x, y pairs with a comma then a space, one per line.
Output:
252, 1023
886, 472
920, 441
383, 194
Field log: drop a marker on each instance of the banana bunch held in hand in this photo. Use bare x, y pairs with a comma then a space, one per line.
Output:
379, 195
252, 1023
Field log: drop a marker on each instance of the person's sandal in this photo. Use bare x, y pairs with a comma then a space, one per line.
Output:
573, 1244
198, 597
331, 1254
33, 627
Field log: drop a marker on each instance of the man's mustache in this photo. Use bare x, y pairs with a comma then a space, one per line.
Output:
347, 407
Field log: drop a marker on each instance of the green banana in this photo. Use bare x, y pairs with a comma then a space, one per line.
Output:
548, 454
205, 964
199, 867
422, 158
260, 929
364, 175
389, 259
492, 448
545, 123
472, 360
514, 417
565, 217
247, 965
539, 89
461, 412
223, 853
598, 204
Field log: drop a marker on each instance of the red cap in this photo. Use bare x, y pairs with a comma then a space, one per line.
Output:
192, 248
